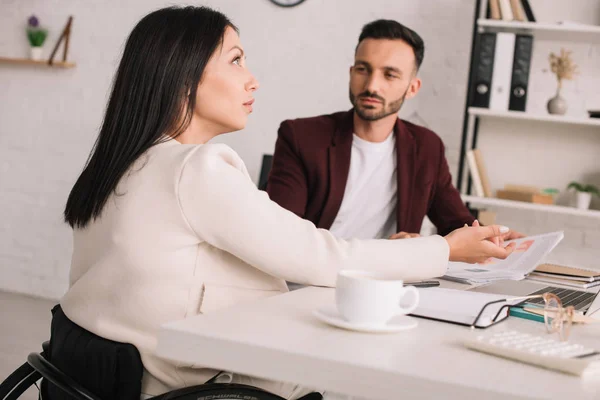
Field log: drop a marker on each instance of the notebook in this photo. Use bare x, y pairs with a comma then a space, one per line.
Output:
565, 272
460, 306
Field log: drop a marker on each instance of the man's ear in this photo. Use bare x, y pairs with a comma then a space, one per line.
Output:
413, 87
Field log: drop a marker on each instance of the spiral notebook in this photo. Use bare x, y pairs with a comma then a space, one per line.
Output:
461, 307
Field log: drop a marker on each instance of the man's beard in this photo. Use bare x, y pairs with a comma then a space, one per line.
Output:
366, 115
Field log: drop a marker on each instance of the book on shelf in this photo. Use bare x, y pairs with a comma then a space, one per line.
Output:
528, 194
528, 10
474, 171
506, 10
517, 10
510, 10
483, 175
494, 9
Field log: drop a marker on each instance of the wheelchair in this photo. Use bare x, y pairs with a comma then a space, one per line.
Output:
122, 381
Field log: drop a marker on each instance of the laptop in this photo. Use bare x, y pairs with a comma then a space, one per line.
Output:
586, 302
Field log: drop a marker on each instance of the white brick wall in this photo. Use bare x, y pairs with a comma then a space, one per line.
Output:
49, 118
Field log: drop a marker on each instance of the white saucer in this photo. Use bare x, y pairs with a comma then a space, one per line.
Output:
330, 315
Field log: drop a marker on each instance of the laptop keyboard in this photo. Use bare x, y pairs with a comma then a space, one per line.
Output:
581, 301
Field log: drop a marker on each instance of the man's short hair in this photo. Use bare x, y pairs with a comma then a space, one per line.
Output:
390, 29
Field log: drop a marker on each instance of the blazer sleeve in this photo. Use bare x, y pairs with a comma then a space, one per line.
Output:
224, 208
287, 184
447, 211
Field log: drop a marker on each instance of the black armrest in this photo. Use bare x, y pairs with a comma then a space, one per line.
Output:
56, 377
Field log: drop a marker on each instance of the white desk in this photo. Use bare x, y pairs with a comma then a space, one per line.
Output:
278, 338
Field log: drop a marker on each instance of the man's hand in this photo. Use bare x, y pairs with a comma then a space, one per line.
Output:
404, 235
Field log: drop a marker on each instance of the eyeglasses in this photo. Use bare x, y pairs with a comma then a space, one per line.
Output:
557, 319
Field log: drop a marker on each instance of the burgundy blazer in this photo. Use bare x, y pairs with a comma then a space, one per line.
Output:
312, 160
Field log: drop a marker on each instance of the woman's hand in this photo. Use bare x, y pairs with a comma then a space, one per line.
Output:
476, 244
499, 240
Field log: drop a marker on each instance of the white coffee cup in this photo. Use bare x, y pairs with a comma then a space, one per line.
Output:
373, 298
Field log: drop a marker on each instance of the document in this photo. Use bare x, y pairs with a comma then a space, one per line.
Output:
529, 252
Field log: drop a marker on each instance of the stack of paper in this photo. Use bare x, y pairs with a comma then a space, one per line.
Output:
529, 252
578, 277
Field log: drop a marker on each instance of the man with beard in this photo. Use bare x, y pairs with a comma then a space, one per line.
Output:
365, 173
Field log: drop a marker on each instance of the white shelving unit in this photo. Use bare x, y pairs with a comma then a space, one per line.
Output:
544, 31
549, 31
485, 112
490, 201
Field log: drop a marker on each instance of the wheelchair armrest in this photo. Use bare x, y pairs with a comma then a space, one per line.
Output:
58, 378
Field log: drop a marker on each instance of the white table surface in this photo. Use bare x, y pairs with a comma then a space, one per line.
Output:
279, 338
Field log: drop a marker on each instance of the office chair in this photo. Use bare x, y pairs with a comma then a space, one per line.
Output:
38, 367
265, 168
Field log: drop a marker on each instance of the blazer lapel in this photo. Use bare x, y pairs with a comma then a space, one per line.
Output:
405, 149
339, 165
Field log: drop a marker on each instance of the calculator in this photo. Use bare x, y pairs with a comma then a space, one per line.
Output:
541, 351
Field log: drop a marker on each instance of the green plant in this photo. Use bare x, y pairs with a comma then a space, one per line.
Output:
580, 187
36, 34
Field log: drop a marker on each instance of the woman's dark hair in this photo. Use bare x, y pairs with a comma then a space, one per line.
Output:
390, 29
163, 61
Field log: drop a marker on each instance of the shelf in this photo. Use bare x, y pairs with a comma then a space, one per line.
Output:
545, 31
26, 61
489, 201
485, 112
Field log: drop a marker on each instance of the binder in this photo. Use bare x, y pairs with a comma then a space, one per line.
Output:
520, 72
502, 71
484, 66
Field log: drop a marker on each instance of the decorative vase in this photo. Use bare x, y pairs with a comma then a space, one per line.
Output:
583, 200
557, 104
35, 53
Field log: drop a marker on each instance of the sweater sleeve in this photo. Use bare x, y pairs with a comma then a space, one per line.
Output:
224, 208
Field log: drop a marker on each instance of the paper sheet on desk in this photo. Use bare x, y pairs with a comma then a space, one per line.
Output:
459, 306
529, 252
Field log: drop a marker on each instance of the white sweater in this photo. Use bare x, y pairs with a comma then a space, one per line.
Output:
189, 233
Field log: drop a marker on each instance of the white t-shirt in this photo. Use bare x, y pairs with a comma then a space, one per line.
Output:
368, 209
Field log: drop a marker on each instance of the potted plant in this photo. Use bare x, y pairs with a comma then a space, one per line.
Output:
583, 195
564, 68
37, 36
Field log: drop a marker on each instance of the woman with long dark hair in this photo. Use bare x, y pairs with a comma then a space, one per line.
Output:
167, 226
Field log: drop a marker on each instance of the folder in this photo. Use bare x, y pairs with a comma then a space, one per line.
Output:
520, 72
483, 69
502, 71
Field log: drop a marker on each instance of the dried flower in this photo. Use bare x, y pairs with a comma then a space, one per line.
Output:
563, 66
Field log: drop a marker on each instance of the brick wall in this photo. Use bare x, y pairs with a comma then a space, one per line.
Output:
49, 118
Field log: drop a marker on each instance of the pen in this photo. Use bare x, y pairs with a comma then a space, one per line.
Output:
423, 284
